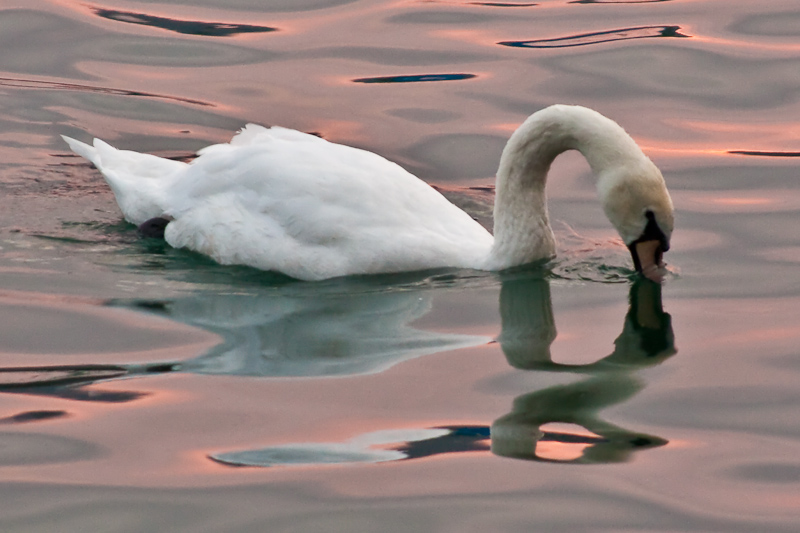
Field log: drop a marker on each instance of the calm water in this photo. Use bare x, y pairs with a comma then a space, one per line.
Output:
147, 389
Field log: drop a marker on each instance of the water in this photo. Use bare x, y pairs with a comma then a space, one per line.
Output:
148, 389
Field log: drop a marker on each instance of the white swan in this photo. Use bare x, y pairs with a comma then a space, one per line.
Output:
278, 199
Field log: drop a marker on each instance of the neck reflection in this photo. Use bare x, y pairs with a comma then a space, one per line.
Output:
580, 435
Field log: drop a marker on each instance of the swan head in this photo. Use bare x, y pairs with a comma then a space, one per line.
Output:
636, 201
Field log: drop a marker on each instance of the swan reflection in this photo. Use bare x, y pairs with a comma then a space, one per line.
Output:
297, 332
528, 330
292, 330
353, 327
527, 432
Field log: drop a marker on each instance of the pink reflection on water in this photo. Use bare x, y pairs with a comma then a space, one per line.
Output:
740, 201
788, 254
711, 138
563, 451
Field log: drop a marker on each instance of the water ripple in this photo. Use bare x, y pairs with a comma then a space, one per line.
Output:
624, 34
189, 27
20, 83
415, 78
763, 153
501, 4
33, 416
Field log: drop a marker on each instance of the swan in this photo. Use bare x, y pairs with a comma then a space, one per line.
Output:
281, 200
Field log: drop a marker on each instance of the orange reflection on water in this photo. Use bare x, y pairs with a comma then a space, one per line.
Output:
563, 451
741, 201
560, 451
723, 137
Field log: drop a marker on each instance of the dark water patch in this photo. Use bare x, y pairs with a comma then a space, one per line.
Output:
764, 153
415, 78
258, 5
21, 83
501, 4
32, 416
80, 394
33, 376
189, 27
584, 39
71, 382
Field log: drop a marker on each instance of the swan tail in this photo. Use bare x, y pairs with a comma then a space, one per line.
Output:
137, 180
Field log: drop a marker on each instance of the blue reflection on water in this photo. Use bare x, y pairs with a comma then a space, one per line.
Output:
190, 27
623, 34
415, 78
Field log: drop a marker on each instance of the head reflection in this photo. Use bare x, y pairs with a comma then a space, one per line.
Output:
561, 423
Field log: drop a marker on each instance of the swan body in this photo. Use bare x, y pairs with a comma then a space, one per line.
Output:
278, 199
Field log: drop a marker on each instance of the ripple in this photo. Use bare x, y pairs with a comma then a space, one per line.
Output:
415, 78
763, 153
501, 4
624, 34
11, 378
189, 27
32, 416
21, 83
675, 73
59, 47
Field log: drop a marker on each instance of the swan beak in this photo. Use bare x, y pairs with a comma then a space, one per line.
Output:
647, 258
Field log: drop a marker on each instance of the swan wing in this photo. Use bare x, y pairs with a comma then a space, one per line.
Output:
279, 199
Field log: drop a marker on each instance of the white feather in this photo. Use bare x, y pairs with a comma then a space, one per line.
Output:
278, 199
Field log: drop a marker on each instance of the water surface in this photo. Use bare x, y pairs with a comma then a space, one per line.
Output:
145, 388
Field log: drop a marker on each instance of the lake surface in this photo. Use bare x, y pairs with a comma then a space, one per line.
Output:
148, 389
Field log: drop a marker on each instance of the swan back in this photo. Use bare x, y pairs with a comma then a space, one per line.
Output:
279, 199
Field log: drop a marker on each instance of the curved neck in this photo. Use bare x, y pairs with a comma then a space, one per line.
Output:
521, 227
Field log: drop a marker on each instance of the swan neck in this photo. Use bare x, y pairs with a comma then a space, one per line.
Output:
521, 228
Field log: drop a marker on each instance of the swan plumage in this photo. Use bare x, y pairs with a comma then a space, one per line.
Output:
278, 199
